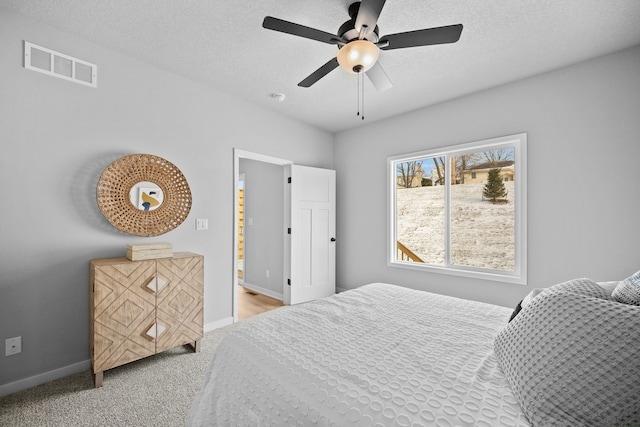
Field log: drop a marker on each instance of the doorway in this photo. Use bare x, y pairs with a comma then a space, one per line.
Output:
288, 229
253, 231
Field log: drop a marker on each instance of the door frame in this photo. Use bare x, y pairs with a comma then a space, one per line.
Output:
237, 155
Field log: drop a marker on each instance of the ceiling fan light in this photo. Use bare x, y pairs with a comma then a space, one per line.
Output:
358, 56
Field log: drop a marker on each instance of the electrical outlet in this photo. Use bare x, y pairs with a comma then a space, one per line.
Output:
12, 346
202, 224
267, 274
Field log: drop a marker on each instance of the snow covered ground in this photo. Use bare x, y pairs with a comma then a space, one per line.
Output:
482, 233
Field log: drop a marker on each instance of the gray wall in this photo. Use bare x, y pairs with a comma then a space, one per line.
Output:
583, 173
56, 139
264, 239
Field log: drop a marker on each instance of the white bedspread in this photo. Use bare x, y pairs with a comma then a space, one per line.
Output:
377, 355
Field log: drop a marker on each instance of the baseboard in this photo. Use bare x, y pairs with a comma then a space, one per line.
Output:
262, 291
45, 377
56, 374
218, 324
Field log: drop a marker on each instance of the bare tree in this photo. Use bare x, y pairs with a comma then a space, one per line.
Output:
495, 156
440, 170
406, 171
462, 163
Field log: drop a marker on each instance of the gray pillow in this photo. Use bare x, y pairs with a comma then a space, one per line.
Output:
582, 286
577, 286
573, 360
628, 291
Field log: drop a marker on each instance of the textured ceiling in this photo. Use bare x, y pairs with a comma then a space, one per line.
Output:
222, 44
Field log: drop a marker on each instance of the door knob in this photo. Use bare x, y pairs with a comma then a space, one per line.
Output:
333, 239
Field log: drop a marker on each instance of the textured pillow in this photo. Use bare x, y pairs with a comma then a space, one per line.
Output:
582, 286
628, 291
577, 286
534, 293
609, 286
574, 360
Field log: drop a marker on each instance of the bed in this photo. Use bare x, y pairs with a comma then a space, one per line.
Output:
383, 355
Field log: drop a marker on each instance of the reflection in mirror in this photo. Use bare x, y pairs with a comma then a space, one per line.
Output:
146, 196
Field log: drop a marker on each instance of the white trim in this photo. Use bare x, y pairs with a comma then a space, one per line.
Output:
260, 157
519, 275
85, 365
218, 324
45, 377
263, 291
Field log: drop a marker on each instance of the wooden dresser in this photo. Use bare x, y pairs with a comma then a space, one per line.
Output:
140, 308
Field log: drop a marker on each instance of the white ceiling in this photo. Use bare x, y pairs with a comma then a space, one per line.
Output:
221, 43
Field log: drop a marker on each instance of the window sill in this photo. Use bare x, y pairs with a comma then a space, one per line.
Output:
492, 275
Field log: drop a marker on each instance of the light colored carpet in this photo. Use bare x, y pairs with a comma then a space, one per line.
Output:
156, 391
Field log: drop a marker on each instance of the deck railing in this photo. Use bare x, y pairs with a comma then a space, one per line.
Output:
406, 254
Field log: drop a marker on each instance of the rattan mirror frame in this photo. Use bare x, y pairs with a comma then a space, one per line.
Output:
116, 182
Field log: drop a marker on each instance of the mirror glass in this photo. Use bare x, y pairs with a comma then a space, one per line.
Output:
146, 196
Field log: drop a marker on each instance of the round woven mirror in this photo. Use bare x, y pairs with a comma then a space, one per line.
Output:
143, 195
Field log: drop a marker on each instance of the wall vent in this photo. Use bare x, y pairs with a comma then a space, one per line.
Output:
43, 60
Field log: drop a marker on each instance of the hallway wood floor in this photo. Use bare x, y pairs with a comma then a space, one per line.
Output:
251, 303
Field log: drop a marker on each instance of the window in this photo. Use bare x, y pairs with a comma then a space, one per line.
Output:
461, 209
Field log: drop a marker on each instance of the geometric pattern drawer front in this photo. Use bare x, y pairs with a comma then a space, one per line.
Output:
140, 308
123, 310
180, 302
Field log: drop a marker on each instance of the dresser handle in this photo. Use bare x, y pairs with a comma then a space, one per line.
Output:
155, 331
153, 284
157, 283
161, 282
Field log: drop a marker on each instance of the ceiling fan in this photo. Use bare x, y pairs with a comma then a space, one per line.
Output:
359, 43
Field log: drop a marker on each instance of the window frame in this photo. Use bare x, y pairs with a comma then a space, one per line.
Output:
519, 275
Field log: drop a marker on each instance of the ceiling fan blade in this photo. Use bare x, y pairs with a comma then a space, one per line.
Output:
379, 78
283, 26
426, 37
368, 14
331, 65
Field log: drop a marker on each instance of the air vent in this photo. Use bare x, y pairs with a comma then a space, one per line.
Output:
47, 61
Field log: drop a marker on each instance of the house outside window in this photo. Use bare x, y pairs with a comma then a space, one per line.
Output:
461, 210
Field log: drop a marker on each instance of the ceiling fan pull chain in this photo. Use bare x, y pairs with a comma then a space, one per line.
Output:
362, 77
358, 93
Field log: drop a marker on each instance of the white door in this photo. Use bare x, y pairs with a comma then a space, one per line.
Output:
312, 269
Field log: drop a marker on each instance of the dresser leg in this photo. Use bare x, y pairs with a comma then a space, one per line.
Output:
97, 379
196, 345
